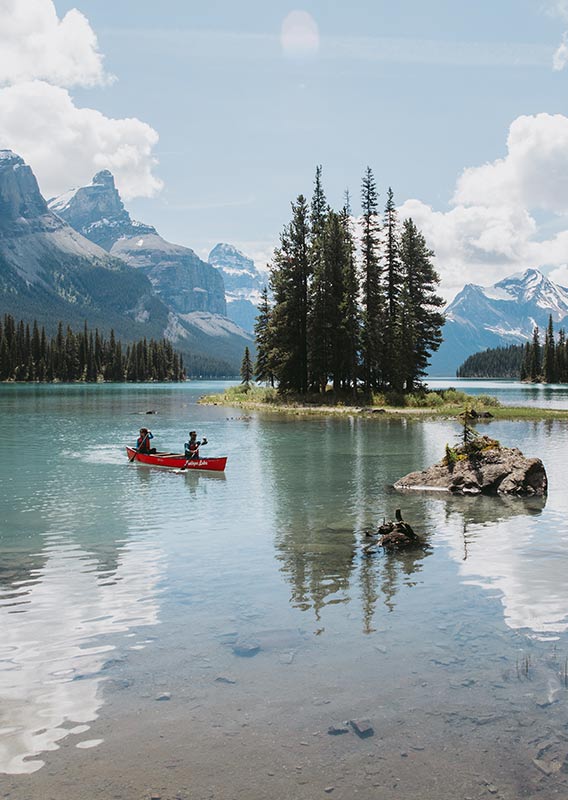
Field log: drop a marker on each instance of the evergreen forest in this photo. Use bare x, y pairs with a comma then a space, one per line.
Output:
27, 354
354, 304
537, 361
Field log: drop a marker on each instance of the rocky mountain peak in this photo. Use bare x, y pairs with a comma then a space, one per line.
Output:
226, 256
97, 212
20, 198
243, 283
104, 178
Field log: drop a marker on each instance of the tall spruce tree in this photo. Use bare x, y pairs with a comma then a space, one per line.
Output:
349, 309
421, 320
393, 373
247, 370
549, 354
320, 301
289, 280
373, 308
263, 371
535, 363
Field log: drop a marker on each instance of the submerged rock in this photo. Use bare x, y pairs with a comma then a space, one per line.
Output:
494, 470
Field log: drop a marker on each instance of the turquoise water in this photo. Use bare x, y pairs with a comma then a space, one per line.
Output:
120, 584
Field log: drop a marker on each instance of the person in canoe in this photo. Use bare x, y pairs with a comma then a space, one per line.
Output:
143, 442
192, 447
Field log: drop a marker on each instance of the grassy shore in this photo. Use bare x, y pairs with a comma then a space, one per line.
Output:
439, 403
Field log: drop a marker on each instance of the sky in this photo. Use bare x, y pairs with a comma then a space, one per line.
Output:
213, 116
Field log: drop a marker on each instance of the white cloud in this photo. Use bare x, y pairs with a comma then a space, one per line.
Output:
491, 231
560, 57
533, 174
41, 56
35, 43
560, 275
66, 145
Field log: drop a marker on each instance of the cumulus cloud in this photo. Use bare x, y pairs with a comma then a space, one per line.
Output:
491, 231
35, 43
41, 57
533, 174
66, 145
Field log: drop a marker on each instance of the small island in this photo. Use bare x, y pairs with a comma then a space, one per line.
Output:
379, 405
480, 465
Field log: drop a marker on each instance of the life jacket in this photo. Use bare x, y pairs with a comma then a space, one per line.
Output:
192, 448
143, 444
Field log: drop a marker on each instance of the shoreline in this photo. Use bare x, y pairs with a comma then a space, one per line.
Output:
384, 411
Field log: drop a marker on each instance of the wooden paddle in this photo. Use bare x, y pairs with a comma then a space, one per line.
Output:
137, 449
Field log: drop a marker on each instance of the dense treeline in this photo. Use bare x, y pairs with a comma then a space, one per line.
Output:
536, 361
359, 311
27, 354
496, 362
547, 362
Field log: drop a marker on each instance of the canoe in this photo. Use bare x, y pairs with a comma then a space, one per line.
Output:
177, 461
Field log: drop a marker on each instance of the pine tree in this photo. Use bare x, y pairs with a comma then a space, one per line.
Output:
263, 339
549, 355
421, 320
349, 309
247, 370
319, 344
373, 308
393, 373
289, 282
535, 363
561, 358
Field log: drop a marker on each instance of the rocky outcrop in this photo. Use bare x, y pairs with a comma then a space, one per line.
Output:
495, 470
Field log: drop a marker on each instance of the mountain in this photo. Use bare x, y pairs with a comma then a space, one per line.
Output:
49, 271
191, 289
495, 316
243, 283
179, 277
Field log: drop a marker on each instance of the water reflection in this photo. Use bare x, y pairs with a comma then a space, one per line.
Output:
515, 546
81, 577
324, 498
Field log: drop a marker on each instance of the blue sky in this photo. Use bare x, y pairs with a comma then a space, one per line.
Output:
420, 91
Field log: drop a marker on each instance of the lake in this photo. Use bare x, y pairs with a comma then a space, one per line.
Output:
194, 635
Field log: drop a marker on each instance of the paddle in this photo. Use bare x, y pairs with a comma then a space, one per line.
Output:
138, 448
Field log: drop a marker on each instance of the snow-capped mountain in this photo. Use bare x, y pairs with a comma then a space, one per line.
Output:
243, 283
492, 316
50, 271
179, 277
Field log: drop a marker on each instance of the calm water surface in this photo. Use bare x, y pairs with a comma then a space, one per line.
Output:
121, 584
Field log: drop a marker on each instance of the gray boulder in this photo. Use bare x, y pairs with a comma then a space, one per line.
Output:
495, 470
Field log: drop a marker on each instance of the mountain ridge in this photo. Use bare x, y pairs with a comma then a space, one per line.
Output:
504, 313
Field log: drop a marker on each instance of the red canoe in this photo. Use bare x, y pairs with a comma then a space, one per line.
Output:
177, 461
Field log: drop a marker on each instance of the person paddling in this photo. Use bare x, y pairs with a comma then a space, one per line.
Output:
143, 442
192, 447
